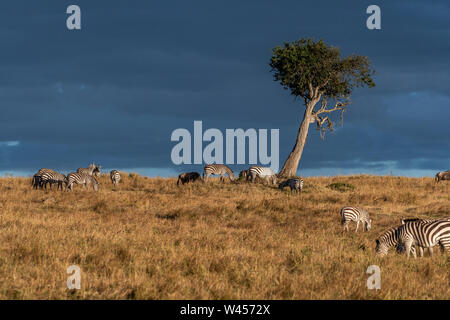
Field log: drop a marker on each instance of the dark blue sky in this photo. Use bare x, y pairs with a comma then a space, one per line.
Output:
114, 91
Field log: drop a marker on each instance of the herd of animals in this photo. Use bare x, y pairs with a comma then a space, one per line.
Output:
412, 233
83, 176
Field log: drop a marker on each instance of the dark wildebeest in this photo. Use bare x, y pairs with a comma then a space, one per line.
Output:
243, 174
187, 177
444, 175
295, 185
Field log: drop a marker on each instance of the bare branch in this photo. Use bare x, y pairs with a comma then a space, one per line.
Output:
324, 123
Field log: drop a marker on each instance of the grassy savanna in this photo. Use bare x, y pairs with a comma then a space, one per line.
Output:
150, 239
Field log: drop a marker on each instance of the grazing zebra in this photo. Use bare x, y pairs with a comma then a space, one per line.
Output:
115, 177
81, 178
389, 239
263, 173
217, 169
404, 221
294, 184
444, 175
36, 181
187, 177
91, 170
53, 177
355, 214
425, 235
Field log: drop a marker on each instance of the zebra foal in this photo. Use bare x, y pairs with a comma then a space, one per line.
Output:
357, 215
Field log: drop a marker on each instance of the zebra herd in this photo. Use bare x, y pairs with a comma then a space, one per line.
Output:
425, 234
83, 176
254, 172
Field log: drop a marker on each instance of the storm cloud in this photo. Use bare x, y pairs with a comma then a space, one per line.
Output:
114, 91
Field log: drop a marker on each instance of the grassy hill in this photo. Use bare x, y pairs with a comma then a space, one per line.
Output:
150, 239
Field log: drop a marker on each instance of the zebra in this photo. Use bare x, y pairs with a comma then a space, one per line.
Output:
389, 239
295, 184
53, 177
91, 170
81, 178
443, 175
263, 173
217, 169
425, 235
36, 181
115, 177
187, 177
355, 214
404, 221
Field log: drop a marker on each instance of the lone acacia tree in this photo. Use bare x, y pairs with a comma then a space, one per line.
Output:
317, 73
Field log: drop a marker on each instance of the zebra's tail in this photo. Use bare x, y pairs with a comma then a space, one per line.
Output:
342, 216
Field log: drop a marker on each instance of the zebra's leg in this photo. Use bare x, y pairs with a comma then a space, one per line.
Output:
430, 249
408, 246
420, 251
345, 224
357, 226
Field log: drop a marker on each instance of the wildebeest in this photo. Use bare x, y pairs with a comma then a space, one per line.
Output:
243, 174
187, 177
443, 175
295, 184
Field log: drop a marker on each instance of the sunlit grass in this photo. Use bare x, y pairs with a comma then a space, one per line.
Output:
149, 239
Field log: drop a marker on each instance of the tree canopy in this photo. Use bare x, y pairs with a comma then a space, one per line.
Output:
311, 68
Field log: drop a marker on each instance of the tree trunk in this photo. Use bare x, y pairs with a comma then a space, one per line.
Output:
291, 164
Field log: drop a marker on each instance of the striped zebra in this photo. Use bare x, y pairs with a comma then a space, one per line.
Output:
295, 184
390, 239
444, 175
262, 172
36, 181
115, 177
217, 169
425, 235
355, 214
404, 221
53, 177
81, 178
91, 170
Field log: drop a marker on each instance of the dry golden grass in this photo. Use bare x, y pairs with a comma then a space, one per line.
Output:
152, 240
